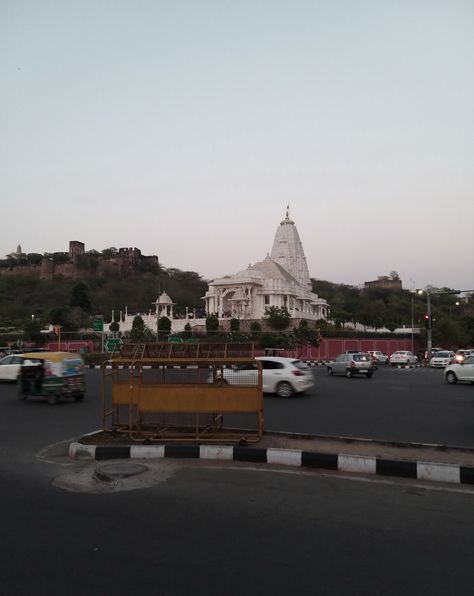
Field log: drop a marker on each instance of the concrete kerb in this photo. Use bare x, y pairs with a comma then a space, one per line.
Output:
386, 465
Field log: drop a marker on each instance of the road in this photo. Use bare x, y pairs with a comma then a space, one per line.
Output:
396, 404
408, 405
208, 528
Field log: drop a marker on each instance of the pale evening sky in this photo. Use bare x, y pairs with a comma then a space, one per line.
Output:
184, 128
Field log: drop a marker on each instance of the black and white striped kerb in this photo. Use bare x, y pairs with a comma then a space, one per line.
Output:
340, 462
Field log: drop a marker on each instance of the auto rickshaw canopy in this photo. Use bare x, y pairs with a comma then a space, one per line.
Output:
52, 356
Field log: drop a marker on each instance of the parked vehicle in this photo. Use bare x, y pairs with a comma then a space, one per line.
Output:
352, 364
51, 375
283, 376
460, 371
441, 359
10, 367
403, 357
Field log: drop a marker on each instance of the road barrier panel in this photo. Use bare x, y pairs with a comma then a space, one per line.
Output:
151, 395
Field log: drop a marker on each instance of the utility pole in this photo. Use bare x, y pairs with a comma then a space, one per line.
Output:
429, 337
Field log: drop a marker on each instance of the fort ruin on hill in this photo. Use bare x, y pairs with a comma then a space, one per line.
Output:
77, 262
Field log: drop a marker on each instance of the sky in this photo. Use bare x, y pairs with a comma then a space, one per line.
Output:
185, 128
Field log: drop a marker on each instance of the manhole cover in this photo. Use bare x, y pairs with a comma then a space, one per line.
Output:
111, 472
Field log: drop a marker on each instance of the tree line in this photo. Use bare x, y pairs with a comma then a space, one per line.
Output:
28, 303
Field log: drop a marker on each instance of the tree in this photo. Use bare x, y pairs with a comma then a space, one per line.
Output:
164, 325
278, 318
59, 258
81, 296
212, 323
394, 275
32, 331
114, 327
138, 329
255, 327
304, 334
108, 253
59, 315
234, 325
34, 258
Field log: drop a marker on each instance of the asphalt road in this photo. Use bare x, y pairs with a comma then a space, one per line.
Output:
396, 404
408, 405
217, 530
208, 528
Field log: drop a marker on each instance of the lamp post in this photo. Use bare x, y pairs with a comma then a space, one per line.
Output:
451, 310
429, 335
429, 340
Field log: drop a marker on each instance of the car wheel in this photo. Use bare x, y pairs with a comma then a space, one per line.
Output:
330, 371
79, 396
284, 389
348, 374
451, 378
52, 398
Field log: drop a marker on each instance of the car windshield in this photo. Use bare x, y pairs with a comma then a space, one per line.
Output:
443, 355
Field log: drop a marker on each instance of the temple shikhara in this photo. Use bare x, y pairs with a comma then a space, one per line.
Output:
281, 280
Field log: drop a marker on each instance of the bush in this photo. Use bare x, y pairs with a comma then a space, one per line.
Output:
234, 325
95, 358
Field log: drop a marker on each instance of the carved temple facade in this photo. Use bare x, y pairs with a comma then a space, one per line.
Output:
281, 280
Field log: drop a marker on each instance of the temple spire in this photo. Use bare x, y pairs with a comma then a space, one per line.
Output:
288, 251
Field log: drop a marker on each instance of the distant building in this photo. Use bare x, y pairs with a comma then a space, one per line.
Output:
385, 283
76, 248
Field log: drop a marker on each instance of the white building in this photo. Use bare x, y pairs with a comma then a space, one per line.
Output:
280, 280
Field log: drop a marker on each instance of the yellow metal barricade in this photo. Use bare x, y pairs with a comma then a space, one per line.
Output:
162, 397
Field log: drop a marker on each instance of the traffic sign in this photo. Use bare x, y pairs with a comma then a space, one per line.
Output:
98, 325
112, 344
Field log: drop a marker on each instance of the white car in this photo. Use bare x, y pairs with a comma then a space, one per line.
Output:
460, 371
461, 355
441, 359
10, 367
283, 376
403, 357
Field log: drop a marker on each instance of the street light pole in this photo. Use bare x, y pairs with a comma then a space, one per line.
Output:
429, 336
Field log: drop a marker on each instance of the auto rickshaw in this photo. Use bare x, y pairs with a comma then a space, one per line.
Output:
52, 375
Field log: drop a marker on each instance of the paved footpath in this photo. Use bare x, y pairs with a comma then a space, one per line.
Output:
417, 461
